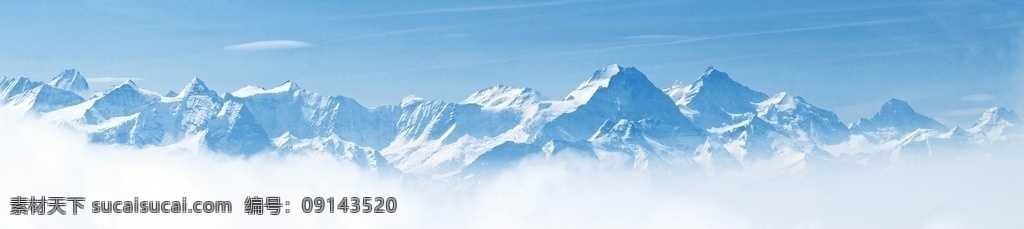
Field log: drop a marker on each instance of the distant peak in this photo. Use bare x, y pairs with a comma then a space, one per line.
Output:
613, 72
717, 84
291, 84
70, 80
999, 113
611, 76
411, 100
504, 96
712, 74
129, 82
898, 114
501, 87
20, 79
607, 72
70, 73
896, 102
195, 86
286, 86
897, 106
127, 85
196, 83
784, 101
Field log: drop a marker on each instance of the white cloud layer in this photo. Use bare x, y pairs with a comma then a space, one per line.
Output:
267, 45
40, 159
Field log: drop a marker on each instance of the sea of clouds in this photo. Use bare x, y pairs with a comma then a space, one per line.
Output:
974, 190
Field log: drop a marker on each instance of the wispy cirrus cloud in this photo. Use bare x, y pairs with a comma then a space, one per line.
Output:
659, 36
267, 45
662, 40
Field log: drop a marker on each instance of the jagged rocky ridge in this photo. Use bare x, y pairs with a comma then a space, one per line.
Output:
617, 116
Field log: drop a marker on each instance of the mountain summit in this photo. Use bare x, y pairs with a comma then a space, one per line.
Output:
895, 119
71, 80
616, 93
714, 99
997, 123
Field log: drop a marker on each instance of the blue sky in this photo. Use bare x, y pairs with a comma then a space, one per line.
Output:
949, 59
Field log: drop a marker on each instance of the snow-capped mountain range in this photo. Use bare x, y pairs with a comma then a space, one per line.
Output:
617, 116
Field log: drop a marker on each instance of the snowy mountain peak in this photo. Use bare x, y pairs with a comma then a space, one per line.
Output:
712, 71
606, 77
797, 118
129, 82
784, 101
10, 87
195, 87
45, 98
998, 114
898, 113
715, 78
127, 85
287, 86
502, 96
896, 106
626, 94
70, 80
411, 100
997, 123
607, 72
714, 99
616, 72
895, 119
